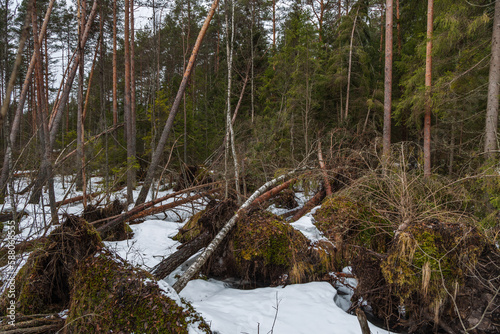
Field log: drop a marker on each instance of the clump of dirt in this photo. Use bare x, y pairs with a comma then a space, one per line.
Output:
286, 200
110, 296
92, 213
42, 285
264, 249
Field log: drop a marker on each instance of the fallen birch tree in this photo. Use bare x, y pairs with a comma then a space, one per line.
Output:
202, 259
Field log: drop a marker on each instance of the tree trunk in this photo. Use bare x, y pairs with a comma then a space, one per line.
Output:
350, 65
490, 142
46, 167
127, 111
175, 107
115, 74
428, 86
229, 124
22, 97
386, 153
80, 155
57, 112
200, 261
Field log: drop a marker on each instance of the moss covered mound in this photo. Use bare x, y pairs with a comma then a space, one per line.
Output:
347, 223
264, 249
110, 296
42, 285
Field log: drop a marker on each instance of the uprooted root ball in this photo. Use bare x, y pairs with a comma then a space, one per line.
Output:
264, 249
42, 285
110, 296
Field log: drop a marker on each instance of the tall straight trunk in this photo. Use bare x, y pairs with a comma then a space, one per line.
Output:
350, 66
80, 155
133, 137
398, 25
386, 153
229, 125
274, 24
252, 97
59, 107
46, 166
127, 109
17, 64
428, 87
490, 142
175, 108
20, 103
115, 73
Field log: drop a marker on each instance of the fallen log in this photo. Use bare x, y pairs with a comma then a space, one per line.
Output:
273, 192
147, 209
41, 323
165, 267
76, 199
202, 259
316, 200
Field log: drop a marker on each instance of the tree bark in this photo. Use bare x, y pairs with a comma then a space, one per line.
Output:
386, 151
165, 267
350, 65
80, 154
57, 112
428, 87
490, 142
322, 165
315, 200
175, 107
115, 73
10, 86
200, 261
127, 109
21, 100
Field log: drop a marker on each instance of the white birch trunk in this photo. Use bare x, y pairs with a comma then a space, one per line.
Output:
202, 259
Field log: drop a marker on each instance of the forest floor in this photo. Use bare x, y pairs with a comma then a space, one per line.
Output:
315, 307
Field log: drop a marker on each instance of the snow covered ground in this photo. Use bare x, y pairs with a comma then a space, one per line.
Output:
299, 308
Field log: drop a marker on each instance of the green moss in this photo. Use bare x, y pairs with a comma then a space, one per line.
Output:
266, 247
429, 259
111, 296
190, 230
42, 284
346, 222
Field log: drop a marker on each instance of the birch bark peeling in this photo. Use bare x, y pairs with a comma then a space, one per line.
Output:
202, 259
